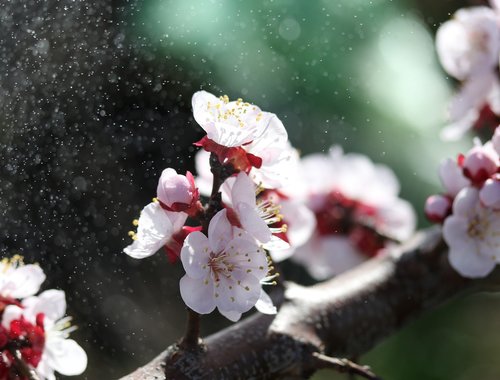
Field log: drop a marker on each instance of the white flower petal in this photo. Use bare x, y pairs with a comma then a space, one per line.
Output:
277, 245
220, 231
265, 304
11, 313
238, 293
398, 220
198, 294
452, 177
466, 261
195, 254
490, 193
253, 223
65, 356
51, 302
248, 256
243, 190
23, 281
155, 228
300, 220
205, 177
233, 316
465, 202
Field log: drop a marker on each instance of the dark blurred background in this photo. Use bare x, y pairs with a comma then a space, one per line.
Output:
95, 102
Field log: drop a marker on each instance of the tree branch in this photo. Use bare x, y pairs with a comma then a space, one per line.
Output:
342, 317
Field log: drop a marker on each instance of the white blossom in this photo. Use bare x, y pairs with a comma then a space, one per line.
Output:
224, 270
59, 353
351, 198
472, 234
254, 141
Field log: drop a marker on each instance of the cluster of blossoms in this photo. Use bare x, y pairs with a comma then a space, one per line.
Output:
33, 328
224, 252
468, 47
264, 204
470, 208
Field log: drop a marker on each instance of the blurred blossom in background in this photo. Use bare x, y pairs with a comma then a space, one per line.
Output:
96, 101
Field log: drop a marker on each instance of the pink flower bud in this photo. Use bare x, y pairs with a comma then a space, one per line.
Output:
176, 192
437, 208
490, 193
479, 164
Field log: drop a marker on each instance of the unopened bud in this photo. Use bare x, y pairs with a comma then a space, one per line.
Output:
176, 191
480, 164
437, 208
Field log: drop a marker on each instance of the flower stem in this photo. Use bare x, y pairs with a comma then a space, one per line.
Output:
191, 338
24, 368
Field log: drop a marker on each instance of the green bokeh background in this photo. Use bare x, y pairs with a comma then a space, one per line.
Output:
362, 74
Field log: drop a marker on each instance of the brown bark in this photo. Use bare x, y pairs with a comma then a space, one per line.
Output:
342, 317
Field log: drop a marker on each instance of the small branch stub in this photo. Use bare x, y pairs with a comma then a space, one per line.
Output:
343, 366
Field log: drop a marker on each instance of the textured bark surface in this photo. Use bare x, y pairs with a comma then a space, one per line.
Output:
342, 317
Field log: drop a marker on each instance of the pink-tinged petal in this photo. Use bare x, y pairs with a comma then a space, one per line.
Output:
195, 255
398, 219
11, 313
276, 245
271, 140
154, 229
340, 255
490, 193
493, 97
253, 223
455, 231
282, 173
229, 124
24, 281
495, 4
451, 177
65, 356
201, 112
318, 172
51, 302
480, 163
279, 255
243, 190
248, 256
465, 202
495, 140
220, 231
239, 292
300, 220
198, 294
470, 264
174, 188
457, 128
469, 44
265, 304
233, 316
464, 256
437, 208
471, 97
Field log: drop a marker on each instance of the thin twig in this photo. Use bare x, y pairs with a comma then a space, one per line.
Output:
24, 368
343, 366
191, 338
